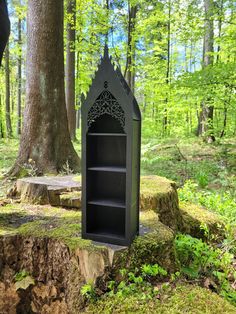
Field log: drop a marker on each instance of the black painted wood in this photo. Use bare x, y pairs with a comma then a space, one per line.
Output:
111, 133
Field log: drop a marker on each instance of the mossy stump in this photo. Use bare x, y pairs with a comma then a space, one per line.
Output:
156, 193
200, 222
46, 243
160, 195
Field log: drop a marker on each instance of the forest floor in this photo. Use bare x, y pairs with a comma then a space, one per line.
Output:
205, 175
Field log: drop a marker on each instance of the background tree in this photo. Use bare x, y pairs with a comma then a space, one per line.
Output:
205, 123
19, 69
8, 92
70, 67
171, 107
45, 139
129, 72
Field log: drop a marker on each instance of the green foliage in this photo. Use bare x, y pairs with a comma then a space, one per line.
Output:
88, 291
170, 96
222, 202
153, 270
131, 283
198, 259
21, 275
138, 282
8, 152
183, 298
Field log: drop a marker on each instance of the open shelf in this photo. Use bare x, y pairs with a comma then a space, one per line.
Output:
106, 185
106, 221
107, 153
109, 169
107, 202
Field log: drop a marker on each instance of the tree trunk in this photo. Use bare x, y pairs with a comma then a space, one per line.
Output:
70, 68
8, 98
165, 119
19, 74
130, 60
1, 119
45, 141
205, 123
220, 12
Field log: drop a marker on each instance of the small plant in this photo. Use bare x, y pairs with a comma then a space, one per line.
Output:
66, 169
202, 179
21, 275
23, 280
30, 168
153, 270
198, 259
137, 282
88, 291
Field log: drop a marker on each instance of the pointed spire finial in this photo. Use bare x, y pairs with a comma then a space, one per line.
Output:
106, 52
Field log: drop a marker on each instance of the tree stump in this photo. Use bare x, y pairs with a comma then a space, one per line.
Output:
45, 243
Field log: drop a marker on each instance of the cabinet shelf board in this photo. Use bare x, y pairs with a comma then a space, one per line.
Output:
109, 169
106, 134
107, 202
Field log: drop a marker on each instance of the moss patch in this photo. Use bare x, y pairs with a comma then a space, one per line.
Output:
40, 221
184, 299
195, 216
154, 245
154, 186
70, 195
160, 195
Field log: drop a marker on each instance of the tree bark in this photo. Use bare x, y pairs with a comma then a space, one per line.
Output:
165, 119
130, 59
7, 91
45, 141
19, 74
70, 68
1, 119
220, 12
205, 123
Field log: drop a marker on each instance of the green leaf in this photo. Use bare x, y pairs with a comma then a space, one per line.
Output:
24, 283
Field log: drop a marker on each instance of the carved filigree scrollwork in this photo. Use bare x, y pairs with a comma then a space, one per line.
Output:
106, 104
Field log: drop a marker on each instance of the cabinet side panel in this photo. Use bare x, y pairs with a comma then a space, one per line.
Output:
135, 177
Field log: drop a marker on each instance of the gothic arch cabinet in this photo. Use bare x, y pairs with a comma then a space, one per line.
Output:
111, 132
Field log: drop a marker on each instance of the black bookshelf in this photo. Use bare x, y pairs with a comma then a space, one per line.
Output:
110, 159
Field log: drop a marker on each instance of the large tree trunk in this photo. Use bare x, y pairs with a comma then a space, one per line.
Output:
70, 68
4, 27
205, 123
19, 74
45, 141
130, 60
8, 100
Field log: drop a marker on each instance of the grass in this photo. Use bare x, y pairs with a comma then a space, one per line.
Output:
210, 165
8, 152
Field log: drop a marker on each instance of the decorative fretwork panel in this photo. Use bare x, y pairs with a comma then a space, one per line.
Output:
106, 104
